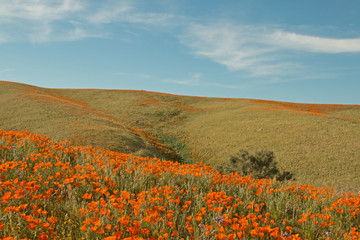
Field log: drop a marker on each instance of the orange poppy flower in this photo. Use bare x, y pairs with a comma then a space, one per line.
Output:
31, 226
87, 196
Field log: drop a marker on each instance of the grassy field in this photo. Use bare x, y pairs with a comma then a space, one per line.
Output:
319, 143
55, 190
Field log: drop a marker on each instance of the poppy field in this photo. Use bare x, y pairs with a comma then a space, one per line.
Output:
318, 143
56, 190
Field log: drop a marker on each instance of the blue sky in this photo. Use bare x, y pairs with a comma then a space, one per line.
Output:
297, 51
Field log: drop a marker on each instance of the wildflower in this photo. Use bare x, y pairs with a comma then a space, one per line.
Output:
170, 224
219, 220
188, 203
6, 197
43, 237
328, 234
45, 225
52, 220
174, 233
110, 238
87, 196
31, 226
285, 234
190, 229
23, 206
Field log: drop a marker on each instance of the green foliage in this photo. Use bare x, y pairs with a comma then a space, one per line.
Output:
180, 152
260, 165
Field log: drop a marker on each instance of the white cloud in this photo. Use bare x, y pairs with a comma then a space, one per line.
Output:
69, 20
38, 10
6, 70
289, 40
193, 79
134, 75
46, 33
6, 73
111, 13
125, 11
2, 38
236, 47
42, 20
151, 18
258, 50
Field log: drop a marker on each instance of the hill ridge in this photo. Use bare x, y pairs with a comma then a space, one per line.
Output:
317, 142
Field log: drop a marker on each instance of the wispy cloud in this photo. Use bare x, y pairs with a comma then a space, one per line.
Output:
193, 79
134, 75
6, 70
196, 80
2, 38
111, 12
125, 11
152, 18
6, 73
38, 10
258, 50
290, 40
42, 20
236, 47
69, 20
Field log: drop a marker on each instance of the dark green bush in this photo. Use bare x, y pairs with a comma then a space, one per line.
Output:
260, 165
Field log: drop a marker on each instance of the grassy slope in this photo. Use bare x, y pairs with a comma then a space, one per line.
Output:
319, 149
46, 111
52, 190
319, 143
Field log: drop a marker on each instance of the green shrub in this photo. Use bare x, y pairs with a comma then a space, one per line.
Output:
260, 165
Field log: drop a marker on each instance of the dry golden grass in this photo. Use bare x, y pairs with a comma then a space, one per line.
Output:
318, 143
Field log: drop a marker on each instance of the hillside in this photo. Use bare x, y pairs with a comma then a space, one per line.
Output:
318, 143
55, 190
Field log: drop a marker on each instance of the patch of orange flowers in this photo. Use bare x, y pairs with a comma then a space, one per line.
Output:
306, 108
54, 190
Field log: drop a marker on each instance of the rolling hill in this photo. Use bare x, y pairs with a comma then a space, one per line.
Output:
319, 143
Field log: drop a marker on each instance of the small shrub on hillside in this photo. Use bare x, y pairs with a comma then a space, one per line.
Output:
260, 165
